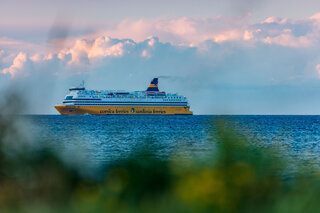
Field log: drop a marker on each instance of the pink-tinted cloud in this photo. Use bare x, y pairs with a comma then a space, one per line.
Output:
184, 31
181, 31
76, 58
134, 38
86, 50
188, 31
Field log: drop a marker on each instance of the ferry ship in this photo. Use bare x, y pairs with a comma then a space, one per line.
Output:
80, 101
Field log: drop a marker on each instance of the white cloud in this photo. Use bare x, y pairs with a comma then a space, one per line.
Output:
17, 65
86, 51
274, 19
152, 41
36, 58
288, 40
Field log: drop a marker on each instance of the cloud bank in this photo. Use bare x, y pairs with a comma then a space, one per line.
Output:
222, 64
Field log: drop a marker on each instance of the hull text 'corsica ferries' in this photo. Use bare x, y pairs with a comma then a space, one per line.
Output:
80, 101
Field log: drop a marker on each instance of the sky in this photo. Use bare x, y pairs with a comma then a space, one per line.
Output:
226, 57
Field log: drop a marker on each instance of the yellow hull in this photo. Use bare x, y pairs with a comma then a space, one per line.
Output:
123, 110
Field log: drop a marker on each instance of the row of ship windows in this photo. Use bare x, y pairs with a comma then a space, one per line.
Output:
175, 104
119, 96
184, 105
166, 99
128, 104
99, 101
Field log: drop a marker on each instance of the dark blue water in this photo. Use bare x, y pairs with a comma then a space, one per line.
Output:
108, 138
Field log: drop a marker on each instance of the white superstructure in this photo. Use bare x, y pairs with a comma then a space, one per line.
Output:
82, 96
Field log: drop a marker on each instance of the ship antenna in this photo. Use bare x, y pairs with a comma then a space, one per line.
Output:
82, 84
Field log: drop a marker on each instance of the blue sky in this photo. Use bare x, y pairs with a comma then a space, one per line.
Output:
235, 57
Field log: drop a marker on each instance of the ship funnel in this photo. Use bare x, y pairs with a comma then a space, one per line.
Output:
153, 87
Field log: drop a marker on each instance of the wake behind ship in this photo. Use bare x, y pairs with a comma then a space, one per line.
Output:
81, 101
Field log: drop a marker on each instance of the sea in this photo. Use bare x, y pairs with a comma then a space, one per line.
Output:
90, 141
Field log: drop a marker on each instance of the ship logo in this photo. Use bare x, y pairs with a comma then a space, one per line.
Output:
153, 87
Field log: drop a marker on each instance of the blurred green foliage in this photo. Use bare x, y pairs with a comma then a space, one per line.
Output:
239, 177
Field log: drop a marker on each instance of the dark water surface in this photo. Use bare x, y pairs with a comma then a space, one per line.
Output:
108, 138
